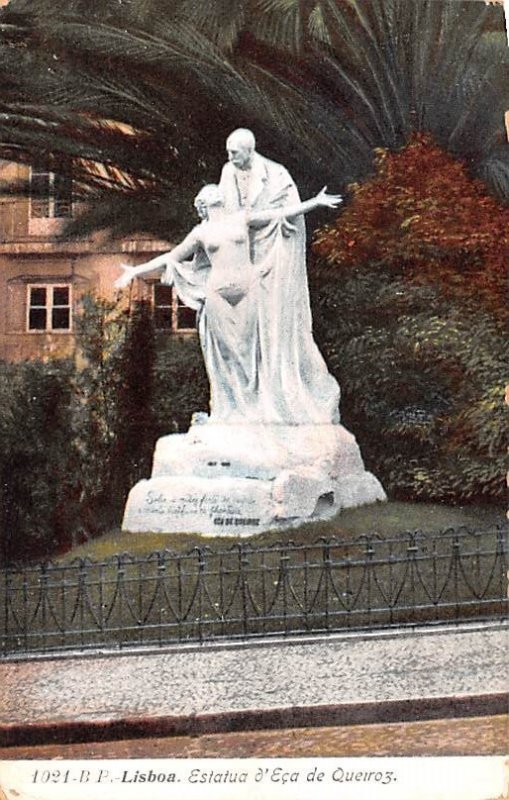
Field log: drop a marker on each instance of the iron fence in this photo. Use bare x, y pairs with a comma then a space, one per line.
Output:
245, 591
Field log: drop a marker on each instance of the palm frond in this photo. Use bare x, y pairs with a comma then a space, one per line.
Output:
222, 21
153, 90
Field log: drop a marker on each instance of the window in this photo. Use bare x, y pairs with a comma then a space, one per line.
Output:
50, 194
169, 313
49, 308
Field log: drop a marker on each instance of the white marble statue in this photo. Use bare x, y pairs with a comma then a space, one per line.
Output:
262, 362
272, 451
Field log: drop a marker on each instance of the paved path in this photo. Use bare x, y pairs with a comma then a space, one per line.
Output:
412, 670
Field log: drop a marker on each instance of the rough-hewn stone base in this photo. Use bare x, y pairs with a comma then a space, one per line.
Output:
240, 479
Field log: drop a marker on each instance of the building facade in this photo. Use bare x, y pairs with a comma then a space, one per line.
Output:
43, 280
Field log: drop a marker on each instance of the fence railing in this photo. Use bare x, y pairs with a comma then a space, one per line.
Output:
245, 591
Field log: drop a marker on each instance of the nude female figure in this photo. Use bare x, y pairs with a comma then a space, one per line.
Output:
227, 290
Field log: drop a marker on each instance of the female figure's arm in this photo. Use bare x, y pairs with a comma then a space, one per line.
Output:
181, 252
321, 199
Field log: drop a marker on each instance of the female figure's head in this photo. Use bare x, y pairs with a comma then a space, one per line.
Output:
208, 197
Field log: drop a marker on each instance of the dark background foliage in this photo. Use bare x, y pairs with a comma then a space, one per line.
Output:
39, 460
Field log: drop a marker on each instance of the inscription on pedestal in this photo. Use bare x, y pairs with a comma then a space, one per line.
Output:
212, 506
222, 508
254, 521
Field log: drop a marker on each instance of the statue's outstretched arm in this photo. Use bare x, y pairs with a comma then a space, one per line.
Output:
181, 252
321, 199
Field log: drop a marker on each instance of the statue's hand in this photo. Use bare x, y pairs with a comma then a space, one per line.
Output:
329, 200
126, 277
287, 228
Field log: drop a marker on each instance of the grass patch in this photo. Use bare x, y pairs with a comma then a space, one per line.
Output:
385, 519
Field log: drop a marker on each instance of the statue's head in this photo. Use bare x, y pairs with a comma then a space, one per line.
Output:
210, 195
240, 147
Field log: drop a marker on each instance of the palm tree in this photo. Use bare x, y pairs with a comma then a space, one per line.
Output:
150, 89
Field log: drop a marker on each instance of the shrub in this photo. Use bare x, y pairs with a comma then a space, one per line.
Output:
73, 441
39, 462
117, 426
411, 316
180, 384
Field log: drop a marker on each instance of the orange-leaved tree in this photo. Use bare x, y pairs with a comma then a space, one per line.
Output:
411, 287
423, 216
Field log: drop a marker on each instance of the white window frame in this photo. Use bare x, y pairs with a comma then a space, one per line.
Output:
51, 200
49, 308
175, 305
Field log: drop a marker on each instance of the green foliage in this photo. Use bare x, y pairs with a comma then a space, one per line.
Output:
115, 389
422, 384
101, 333
39, 491
135, 433
180, 384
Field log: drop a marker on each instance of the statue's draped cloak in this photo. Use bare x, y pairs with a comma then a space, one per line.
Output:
262, 361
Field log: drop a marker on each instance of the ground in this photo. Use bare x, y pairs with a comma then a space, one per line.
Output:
383, 518
475, 736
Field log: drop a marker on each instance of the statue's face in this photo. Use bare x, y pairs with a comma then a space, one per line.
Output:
240, 155
201, 208
207, 197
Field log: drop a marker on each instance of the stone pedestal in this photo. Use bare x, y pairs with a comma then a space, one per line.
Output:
241, 479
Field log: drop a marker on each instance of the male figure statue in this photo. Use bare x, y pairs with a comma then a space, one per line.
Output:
304, 392
250, 180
